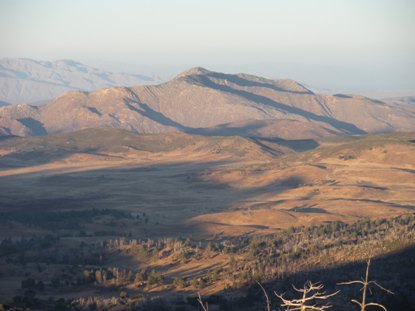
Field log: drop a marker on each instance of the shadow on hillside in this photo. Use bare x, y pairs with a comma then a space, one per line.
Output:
172, 193
394, 272
345, 127
168, 193
35, 126
39, 157
249, 130
249, 83
298, 145
145, 110
29, 152
391, 204
229, 129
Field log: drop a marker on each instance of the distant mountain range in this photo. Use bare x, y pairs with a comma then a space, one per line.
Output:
400, 100
33, 82
199, 101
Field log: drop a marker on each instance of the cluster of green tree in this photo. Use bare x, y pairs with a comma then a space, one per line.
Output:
146, 250
107, 276
365, 293
118, 277
280, 255
306, 248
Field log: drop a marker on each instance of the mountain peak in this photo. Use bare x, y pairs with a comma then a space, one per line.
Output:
193, 72
69, 63
293, 85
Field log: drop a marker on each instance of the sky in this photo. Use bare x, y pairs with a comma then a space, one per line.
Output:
360, 46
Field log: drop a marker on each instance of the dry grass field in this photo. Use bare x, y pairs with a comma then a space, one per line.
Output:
181, 186
210, 188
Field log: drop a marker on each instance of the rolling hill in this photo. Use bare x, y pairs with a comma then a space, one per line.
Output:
90, 200
249, 184
101, 144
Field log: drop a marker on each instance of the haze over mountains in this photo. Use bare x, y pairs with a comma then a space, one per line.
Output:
200, 101
31, 81
400, 100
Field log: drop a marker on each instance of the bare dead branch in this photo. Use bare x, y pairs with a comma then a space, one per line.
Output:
266, 296
326, 296
376, 305
357, 302
204, 306
382, 288
350, 282
365, 283
310, 292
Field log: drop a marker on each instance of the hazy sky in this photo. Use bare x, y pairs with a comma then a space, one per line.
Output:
352, 45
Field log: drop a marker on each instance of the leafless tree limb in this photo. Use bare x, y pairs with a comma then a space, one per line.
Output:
204, 306
376, 305
310, 292
350, 283
381, 287
365, 287
266, 297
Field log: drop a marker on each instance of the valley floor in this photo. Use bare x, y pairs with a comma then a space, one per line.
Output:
184, 220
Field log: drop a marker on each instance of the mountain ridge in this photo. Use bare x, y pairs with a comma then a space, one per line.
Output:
34, 81
199, 101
